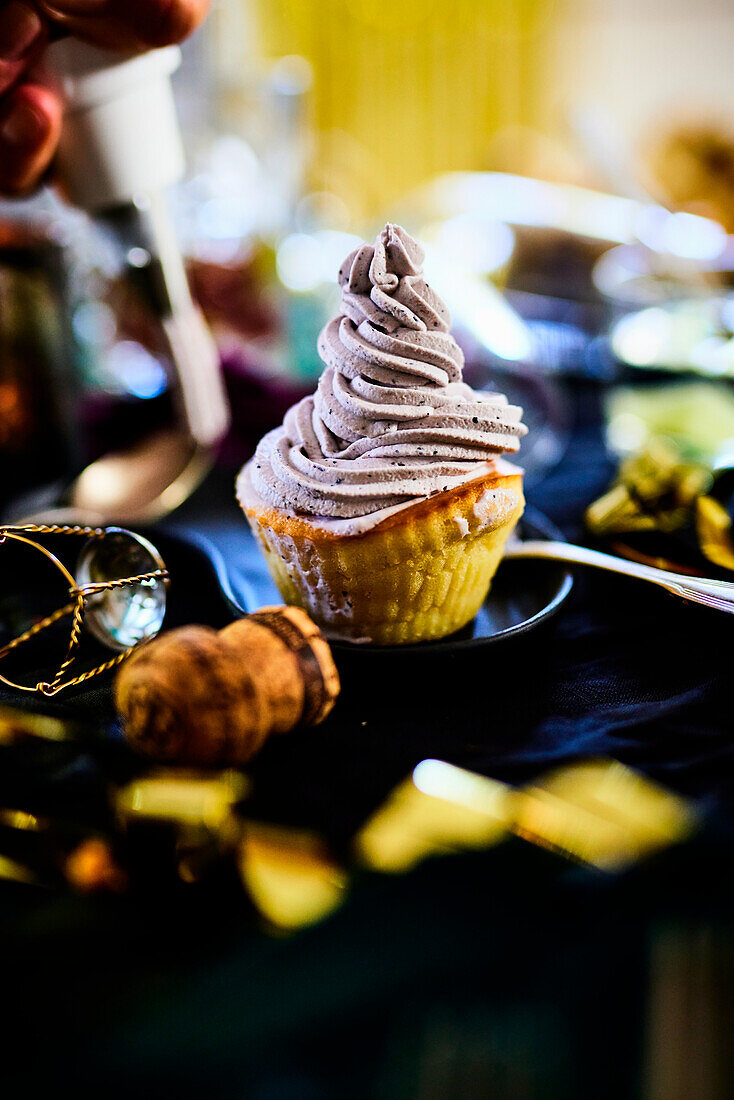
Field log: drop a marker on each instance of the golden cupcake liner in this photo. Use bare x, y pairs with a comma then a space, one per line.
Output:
422, 573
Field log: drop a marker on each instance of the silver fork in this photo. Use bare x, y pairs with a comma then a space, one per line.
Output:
711, 593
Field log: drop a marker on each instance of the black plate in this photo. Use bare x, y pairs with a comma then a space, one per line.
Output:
523, 593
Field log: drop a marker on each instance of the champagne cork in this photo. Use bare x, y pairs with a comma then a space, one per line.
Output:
200, 696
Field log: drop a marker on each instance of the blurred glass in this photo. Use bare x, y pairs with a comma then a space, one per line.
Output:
689, 336
84, 364
545, 410
669, 311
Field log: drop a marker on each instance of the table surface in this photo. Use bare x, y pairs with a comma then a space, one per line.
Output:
504, 966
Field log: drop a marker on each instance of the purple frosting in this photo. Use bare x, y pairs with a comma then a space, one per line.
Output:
391, 418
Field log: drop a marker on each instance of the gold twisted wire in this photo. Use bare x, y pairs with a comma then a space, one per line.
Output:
76, 606
48, 529
76, 630
50, 689
37, 628
140, 578
55, 685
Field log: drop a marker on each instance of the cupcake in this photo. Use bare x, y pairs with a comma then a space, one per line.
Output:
382, 503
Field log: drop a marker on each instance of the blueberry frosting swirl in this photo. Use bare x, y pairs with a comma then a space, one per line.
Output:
391, 419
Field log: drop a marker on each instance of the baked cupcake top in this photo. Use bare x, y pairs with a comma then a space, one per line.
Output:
391, 419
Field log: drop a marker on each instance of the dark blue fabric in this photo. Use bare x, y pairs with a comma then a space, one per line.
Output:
634, 672
507, 961
625, 670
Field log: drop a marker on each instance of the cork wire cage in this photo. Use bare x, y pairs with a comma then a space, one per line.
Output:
117, 594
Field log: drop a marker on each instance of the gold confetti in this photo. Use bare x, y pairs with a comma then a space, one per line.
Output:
290, 876
182, 797
15, 725
713, 528
601, 813
655, 490
439, 809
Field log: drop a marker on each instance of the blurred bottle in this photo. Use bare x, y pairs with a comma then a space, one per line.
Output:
38, 448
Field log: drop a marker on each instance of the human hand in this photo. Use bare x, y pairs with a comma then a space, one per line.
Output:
30, 111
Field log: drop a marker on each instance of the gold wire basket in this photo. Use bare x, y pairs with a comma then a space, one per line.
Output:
81, 597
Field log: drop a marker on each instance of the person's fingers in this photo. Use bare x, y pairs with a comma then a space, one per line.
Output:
30, 114
30, 123
127, 24
22, 36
